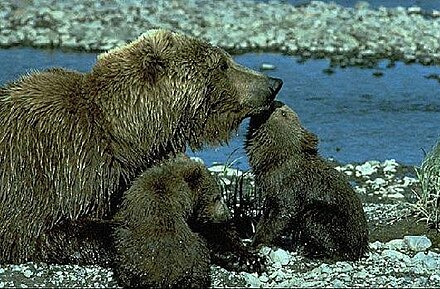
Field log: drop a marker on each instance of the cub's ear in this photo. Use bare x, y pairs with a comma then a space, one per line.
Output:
193, 177
310, 143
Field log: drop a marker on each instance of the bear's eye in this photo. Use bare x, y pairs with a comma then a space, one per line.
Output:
224, 66
284, 114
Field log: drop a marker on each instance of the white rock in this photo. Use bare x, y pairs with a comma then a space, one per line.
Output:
430, 260
28, 273
417, 243
267, 66
389, 165
225, 170
378, 182
263, 278
396, 196
280, 256
251, 279
393, 254
414, 9
197, 159
265, 250
396, 244
376, 245
366, 169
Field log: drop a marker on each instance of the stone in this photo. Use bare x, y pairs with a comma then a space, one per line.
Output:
396, 196
267, 66
417, 243
280, 256
396, 244
28, 273
263, 278
365, 169
251, 279
430, 260
225, 170
393, 254
389, 166
378, 182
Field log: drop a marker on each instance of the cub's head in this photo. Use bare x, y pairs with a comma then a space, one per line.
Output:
276, 135
209, 205
189, 89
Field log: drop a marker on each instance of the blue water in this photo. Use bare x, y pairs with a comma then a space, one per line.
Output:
356, 115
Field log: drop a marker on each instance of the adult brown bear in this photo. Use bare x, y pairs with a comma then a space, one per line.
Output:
71, 143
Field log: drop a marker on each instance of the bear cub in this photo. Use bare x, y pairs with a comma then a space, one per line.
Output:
155, 243
308, 204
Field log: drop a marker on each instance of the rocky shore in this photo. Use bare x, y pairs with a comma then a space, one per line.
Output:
348, 36
403, 251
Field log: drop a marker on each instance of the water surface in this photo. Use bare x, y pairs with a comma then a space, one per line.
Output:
356, 115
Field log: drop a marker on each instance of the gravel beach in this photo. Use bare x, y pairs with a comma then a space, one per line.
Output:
348, 36
403, 253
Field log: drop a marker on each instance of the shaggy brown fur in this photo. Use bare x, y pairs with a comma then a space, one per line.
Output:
71, 142
304, 194
156, 245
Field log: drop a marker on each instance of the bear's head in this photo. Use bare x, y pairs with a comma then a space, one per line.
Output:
166, 90
275, 136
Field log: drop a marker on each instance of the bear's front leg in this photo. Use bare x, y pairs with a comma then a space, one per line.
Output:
82, 242
272, 224
228, 250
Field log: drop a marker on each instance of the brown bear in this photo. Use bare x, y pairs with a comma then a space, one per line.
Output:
156, 243
308, 203
71, 143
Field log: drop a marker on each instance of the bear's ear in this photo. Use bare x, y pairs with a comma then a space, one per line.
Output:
145, 57
151, 51
310, 143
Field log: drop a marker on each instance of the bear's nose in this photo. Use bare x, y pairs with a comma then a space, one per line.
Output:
275, 85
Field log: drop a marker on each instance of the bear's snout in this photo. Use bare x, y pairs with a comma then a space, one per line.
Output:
263, 92
275, 85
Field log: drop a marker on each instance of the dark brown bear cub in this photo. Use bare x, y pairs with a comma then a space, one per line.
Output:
156, 244
305, 198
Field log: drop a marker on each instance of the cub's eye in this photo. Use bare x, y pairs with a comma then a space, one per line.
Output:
284, 113
224, 66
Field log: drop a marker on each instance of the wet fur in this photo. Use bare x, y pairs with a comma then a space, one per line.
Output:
307, 202
156, 245
71, 143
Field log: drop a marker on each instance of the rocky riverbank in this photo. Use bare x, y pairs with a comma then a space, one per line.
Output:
348, 36
403, 251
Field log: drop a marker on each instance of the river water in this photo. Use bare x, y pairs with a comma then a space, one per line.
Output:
357, 116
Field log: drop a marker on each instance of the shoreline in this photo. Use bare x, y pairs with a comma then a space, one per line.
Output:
347, 36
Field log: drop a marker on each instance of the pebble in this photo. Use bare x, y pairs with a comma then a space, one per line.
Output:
279, 256
267, 66
396, 244
393, 254
348, 36
417, 243
366, 169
